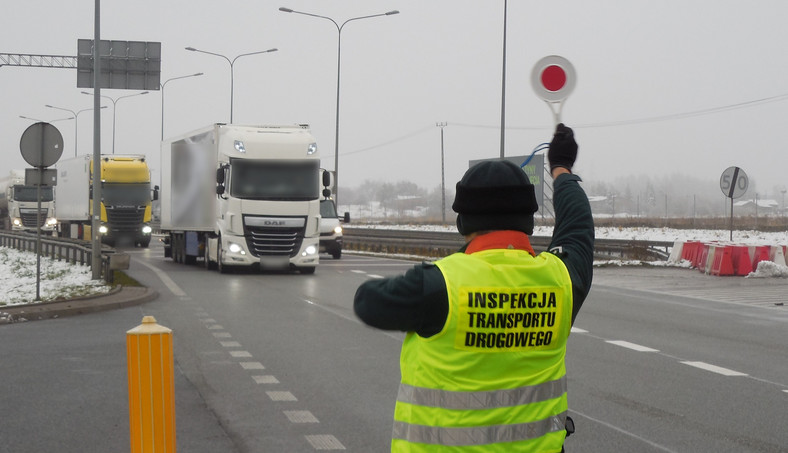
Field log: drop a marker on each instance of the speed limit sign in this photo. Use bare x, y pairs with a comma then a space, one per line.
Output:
734, 182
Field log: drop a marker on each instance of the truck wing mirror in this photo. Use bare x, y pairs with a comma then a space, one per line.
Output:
155, 195
220, 189
346, 218
220, 175
326, 179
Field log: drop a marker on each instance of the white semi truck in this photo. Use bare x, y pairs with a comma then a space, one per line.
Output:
242, 196
19, 204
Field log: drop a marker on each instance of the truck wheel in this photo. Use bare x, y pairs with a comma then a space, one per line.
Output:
221, 267
307, 270
337, 255
145, 243
206, 259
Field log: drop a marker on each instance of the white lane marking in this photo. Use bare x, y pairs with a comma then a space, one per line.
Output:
222, 335
266, 379
622, 431
715, 369
786, 391
168, 282
578, 330
240, 354
215, 327
281, 396
208, 320
230, 344
356, 271
375, 276
325, 442
633, 346
252, 366
301, 417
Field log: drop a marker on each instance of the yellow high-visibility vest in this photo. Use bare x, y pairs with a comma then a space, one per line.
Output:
494, 379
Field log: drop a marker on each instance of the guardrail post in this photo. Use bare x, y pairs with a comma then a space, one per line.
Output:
150, 361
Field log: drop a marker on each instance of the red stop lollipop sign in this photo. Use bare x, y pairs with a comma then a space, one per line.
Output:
553, 78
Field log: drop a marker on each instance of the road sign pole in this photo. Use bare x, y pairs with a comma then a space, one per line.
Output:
95, 224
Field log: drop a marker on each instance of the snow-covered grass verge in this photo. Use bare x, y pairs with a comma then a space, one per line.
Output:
59, 279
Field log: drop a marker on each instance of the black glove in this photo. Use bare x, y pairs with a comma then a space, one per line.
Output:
563, 148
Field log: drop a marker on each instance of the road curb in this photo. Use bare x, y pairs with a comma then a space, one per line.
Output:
118, 297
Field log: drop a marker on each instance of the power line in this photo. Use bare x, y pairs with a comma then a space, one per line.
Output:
652, 119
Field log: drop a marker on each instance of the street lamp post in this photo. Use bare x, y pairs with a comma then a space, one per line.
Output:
232, 64
76, 121
162, 96
503, 83
443, 178
44, 121
114, 110
339, 61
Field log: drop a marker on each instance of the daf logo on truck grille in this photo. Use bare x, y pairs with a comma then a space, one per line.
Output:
275, 222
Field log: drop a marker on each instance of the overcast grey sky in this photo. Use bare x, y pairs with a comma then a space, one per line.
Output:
641, 66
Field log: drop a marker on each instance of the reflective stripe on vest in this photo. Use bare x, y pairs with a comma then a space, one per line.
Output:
485, 435
448, 399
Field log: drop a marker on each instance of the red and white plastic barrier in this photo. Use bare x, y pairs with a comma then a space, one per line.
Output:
722, 258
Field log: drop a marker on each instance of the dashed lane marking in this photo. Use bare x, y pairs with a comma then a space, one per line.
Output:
281, 396
252, 366
633, 346
325, 442
266, 379
230, 344
715, 369
215, 327
240, 354
222, 335
301, 417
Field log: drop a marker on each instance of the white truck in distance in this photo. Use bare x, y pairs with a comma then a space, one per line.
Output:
242, 196
19, 204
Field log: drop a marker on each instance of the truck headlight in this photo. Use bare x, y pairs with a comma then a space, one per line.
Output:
147, 229
235, 248
310, 250
338, 230
17, 221
103, 229
51, 221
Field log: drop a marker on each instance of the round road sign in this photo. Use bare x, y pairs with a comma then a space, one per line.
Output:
553, 78
734, 182
41, 145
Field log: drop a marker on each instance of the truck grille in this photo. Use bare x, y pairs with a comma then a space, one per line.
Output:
29, 217
265, 241
125, 219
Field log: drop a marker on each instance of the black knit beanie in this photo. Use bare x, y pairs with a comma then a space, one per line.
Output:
495, 195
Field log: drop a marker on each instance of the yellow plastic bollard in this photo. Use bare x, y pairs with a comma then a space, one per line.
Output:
151, 388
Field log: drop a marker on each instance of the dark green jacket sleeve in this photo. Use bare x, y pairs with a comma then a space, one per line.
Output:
418, 301
573, 236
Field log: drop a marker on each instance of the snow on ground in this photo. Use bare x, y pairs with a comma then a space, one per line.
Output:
59, 280
765, 269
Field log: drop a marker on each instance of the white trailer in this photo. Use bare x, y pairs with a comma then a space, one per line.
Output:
238, 195
19, 204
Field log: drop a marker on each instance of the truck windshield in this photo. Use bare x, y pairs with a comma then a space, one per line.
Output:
128, 195
269, 180
28, 193
327, 209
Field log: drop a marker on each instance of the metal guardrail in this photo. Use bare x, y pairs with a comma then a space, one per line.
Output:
440, 244
74, 251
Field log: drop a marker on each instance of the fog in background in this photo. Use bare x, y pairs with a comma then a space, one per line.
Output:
671, 90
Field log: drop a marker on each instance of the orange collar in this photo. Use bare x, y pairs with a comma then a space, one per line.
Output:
504, 239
